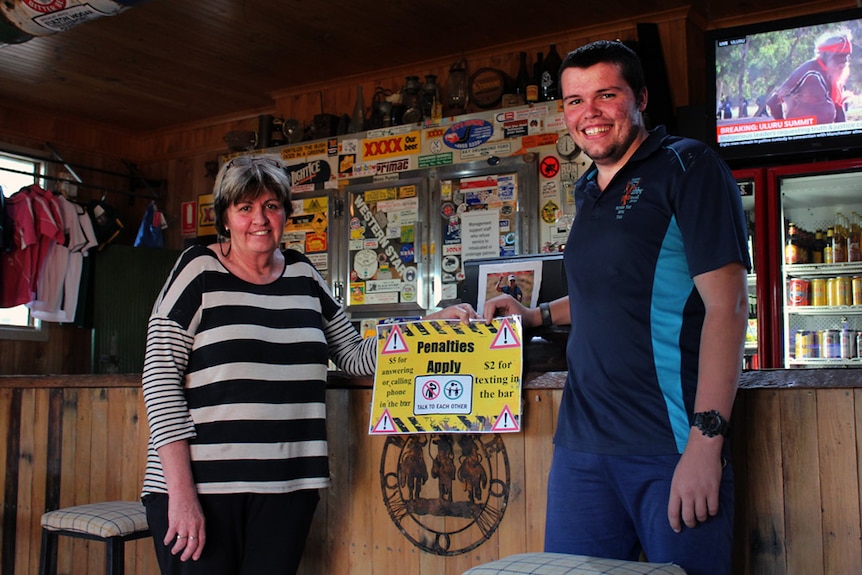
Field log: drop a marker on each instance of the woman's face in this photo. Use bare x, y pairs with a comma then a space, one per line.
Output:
256, 224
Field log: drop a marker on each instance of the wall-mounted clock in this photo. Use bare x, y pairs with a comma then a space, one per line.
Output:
566, 146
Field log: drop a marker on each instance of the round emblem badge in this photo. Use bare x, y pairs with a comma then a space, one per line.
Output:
365, 264
446, 493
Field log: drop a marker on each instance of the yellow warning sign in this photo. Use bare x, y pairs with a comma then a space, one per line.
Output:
445, 376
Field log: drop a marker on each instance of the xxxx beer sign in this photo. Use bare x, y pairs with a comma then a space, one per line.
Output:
206, 216
390, 146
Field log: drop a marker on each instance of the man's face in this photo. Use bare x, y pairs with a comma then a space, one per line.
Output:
601, 112
836, 64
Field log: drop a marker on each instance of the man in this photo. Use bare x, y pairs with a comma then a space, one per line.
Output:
512, 289
656, 268
816, 88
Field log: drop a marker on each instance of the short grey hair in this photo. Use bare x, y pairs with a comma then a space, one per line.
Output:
245, 178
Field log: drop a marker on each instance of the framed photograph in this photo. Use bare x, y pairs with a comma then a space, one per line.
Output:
522, 281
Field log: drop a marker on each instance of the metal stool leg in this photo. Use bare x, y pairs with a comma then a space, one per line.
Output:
48, 553
115, 556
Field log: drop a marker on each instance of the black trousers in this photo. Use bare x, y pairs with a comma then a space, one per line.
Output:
247, 534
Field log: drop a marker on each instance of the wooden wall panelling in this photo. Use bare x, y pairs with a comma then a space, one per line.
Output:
24, 507
763, 510
838, 470
801, 456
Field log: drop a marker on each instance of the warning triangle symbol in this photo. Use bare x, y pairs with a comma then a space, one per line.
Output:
314, 205
384, 424
395, 343
506, 421
505, 337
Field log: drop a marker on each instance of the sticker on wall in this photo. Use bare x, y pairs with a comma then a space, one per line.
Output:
451, 264
468, 134
550, 166
549, 212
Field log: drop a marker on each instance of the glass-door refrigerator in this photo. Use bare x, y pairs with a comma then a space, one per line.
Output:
817, 238
758, 339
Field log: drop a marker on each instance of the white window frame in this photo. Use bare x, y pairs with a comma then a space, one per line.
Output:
36, 330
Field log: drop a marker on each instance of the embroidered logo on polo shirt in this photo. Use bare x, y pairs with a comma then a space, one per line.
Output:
630, 197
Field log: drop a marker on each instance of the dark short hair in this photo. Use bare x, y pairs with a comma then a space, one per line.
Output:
610, 52
246, 177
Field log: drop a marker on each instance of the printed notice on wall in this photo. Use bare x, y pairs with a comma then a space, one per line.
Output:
445, 376
480, 234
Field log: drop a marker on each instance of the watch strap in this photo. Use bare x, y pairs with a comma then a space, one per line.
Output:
545, 309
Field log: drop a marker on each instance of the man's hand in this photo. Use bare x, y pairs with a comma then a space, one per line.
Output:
695, 486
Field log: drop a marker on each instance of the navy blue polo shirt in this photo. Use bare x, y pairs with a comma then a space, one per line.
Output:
671, 213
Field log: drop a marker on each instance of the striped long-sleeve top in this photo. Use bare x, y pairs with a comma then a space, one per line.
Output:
239, 371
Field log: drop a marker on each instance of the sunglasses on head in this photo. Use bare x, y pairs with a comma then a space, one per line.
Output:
248, 160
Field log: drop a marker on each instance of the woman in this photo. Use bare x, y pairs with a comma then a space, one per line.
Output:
234, 382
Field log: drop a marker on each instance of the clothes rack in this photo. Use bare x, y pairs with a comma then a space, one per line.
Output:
136, 179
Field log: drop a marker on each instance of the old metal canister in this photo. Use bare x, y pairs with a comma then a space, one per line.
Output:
843, 290
818, 291
804, 344
859, 344
830, 343
848, 343
857, 290
799, 292
831, 292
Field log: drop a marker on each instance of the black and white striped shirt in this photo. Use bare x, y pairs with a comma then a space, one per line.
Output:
239, 370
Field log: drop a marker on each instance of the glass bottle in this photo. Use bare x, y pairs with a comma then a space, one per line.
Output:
456, 89
535, 80
827, 246
550, 82
791, 245
839, 240
817, 248
522, 78
357, 120
854, 253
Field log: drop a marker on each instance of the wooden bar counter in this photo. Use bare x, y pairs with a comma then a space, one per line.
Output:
797, 437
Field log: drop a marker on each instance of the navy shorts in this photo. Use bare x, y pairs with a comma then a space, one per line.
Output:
616, 507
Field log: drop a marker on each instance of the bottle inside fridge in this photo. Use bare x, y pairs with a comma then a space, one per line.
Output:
751, 358
822, 271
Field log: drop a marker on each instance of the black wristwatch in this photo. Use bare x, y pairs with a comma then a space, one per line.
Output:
710, 423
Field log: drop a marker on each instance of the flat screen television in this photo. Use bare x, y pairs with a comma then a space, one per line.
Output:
779, 87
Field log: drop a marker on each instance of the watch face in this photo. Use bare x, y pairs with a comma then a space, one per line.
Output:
566, 146
710, 423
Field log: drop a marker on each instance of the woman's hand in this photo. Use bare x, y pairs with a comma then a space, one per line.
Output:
462, 311
186, 526
186, 532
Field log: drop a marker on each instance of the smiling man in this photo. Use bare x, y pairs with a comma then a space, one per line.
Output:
656, 269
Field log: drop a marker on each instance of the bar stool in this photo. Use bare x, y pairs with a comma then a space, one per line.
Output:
562, 564
113, 522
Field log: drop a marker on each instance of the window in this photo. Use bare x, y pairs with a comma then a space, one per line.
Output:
17, 171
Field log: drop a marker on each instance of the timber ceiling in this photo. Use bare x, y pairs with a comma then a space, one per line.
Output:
170, 62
